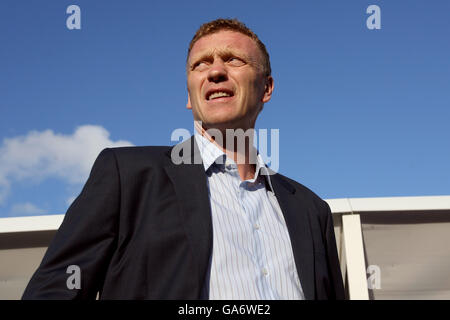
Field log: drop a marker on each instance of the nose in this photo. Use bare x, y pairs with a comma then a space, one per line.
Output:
217, 72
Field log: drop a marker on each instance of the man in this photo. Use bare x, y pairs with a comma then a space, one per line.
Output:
148, 226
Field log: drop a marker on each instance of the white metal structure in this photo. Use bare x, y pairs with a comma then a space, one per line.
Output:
406, 238
401, 234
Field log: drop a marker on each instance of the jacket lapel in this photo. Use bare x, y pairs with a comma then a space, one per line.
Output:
295, 213
190, 183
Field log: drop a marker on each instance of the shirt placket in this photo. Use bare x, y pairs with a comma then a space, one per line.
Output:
250, 215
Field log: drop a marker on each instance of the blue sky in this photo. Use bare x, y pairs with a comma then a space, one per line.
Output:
361, 113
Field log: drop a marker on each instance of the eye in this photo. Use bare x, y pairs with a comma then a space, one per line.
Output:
200, 65
237, 62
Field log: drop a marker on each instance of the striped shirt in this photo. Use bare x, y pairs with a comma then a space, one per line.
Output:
252, 256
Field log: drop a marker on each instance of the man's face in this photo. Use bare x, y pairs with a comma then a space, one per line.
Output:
226, 83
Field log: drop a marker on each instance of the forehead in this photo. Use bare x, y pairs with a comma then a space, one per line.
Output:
225, 41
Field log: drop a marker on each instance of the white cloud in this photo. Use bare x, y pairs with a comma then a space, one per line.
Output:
40, 155
4, 188
25, 209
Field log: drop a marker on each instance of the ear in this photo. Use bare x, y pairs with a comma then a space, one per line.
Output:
268, 89
188, 104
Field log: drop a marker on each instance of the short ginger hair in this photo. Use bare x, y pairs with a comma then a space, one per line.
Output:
231, 25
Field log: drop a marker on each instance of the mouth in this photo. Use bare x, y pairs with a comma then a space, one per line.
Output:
219, 95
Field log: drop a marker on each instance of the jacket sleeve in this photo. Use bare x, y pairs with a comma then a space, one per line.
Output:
333, 259
76, 261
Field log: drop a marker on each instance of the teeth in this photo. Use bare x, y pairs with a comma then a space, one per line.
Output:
218, 95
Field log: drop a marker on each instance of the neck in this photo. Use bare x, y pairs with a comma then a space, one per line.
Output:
237, 144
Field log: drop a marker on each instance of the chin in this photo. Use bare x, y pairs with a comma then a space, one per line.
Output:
222, 124
220, 119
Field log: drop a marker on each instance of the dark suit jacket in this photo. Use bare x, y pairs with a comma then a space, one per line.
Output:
141, 229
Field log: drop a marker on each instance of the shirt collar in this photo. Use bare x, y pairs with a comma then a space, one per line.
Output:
211, 154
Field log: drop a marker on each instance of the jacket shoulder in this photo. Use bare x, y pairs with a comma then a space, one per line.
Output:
307, 194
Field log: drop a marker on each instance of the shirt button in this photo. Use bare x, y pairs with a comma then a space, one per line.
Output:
265, 272
256, 226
